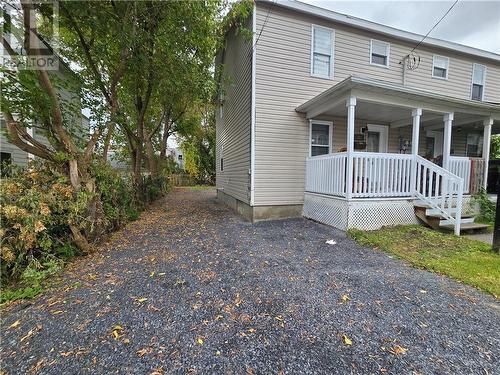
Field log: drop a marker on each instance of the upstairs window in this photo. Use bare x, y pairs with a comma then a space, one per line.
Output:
321, 138
440, 67
322, 52
478, 78
379, 53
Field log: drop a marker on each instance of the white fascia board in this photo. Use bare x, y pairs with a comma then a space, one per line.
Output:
253, 114
381, 29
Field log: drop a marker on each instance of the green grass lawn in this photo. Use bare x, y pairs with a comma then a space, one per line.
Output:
461, 258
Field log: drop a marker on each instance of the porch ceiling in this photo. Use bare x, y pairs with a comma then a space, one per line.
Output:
391, 103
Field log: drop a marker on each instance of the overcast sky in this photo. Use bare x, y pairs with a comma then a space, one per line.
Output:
473, 23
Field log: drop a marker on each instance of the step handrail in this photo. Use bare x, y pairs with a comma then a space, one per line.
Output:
440, 190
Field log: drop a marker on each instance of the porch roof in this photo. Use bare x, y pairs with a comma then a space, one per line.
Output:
392, 94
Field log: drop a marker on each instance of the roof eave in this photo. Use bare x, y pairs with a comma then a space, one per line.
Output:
381, 29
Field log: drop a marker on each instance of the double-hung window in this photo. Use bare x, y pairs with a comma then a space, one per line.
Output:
478, 78
440, 66
321, 137
379, 53
322, 52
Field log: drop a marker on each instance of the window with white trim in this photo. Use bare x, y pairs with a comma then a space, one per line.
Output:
440, 66
474, 146
322, 51
478, 79
379, 53
321, 137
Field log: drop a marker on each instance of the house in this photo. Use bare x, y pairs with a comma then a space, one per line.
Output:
349, 123
67, 85
176, 154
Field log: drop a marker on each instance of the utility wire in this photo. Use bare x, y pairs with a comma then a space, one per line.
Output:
265, 22
433, 27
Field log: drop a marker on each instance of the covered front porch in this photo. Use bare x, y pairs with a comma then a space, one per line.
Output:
379, 148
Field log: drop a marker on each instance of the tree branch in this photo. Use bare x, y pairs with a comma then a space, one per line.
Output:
22, 139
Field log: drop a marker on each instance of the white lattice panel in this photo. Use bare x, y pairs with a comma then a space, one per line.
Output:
327, 210
374, 214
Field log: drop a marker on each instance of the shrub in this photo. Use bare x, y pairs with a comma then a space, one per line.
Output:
37, 204
487, 208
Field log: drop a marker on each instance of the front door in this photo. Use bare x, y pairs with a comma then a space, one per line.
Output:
377, 138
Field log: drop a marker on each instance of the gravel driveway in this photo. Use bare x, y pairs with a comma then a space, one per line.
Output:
192, 288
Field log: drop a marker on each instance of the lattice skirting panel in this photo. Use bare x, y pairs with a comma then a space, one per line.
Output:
374, 214
361, 214
327, 210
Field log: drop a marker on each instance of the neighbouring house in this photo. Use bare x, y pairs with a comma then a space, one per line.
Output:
344, 121
176, 154
67, 85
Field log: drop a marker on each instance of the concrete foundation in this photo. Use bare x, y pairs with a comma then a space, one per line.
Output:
259, 213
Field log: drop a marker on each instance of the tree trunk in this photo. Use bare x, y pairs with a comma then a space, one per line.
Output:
164, 139
496, 230
151, 158
107, 140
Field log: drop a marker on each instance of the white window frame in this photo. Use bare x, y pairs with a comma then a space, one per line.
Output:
383, 131
484, 79
387, 51
447, 66
332, 52
330, 134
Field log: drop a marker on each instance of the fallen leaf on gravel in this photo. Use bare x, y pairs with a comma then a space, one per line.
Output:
31, 332
346, 298
217, 353
238, 301
331, 242
346, 340
397, 350
245, 318
423, 291
15, 324
117, 329
199, 341
142, 352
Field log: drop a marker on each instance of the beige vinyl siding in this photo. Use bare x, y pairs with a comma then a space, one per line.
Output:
18, 156
233, 130
283, 82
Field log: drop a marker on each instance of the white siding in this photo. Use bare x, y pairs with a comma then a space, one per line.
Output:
283, 82
233, 129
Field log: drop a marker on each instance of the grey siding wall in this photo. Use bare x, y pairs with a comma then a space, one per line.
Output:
233, 129
283, 82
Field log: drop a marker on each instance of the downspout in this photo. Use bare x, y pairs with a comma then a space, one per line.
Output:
252, 126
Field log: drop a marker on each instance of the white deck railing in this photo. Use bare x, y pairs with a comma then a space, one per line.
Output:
440, 189
379, 175
326, 174
471, 170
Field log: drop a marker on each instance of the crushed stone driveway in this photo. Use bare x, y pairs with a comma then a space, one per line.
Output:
192, 288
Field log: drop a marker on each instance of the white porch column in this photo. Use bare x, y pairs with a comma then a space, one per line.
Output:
351, 105
486, 148
448, 119
415, 114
